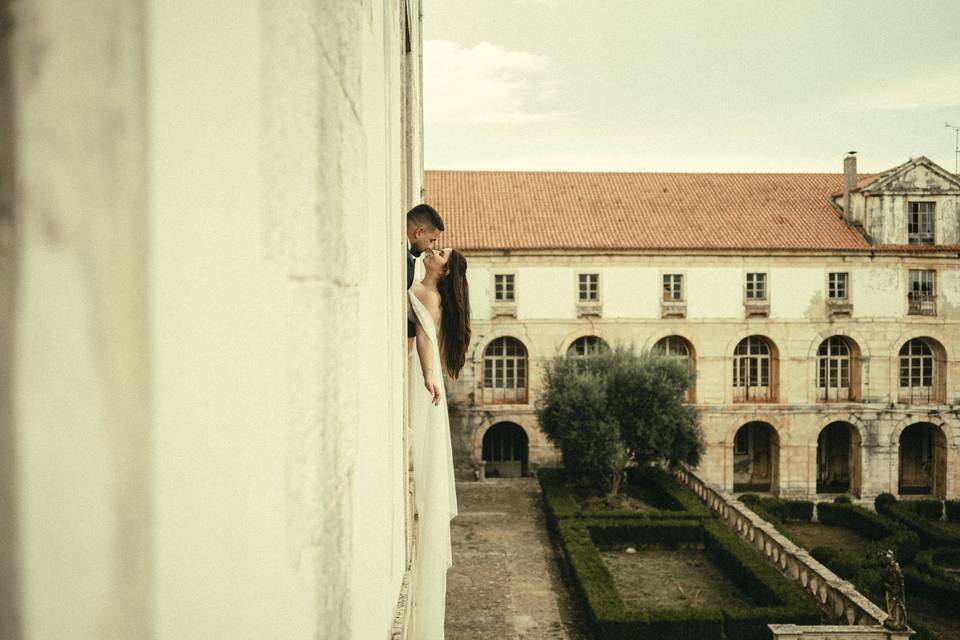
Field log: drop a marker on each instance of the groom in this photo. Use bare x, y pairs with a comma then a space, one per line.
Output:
424, 225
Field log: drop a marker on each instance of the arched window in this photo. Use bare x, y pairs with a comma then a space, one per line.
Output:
920, 372
838, 370
677, 348
754, 371
587, 346
505, 371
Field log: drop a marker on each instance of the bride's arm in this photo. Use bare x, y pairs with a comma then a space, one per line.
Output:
424, 347
425, 353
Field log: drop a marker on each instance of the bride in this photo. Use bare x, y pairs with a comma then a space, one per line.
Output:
441, 305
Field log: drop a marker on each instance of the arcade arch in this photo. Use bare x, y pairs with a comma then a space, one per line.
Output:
505, 450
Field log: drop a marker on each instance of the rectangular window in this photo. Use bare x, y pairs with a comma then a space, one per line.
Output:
756, 286
589, 287
837, 286
922, 293
672, 287
503, 287
920, 223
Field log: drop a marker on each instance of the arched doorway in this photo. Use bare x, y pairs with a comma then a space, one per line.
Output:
756, 458
838, 459
923, 460
505, 450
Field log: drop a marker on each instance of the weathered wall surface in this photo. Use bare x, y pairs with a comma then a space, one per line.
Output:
81, 370
881, 208
207, 397
631, 286
799, 321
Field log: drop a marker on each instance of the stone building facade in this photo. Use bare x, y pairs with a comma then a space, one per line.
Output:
202, 351
826, 344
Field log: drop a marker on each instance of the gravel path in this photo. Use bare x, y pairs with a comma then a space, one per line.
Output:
505, 581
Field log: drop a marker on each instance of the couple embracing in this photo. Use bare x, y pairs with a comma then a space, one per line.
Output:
439, 324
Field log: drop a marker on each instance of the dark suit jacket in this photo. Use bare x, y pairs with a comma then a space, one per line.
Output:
411, 328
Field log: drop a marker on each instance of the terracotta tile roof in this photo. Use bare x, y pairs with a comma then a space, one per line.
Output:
598, 210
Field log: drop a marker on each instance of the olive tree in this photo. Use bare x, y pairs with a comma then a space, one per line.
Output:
613, 409
573, 413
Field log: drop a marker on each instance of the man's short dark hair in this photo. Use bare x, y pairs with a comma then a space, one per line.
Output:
425, 216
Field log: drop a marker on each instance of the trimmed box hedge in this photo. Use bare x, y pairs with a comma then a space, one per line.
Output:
932, 532
930, 509
777, 599
882, 533
776, 509
928, 579
952, 509
676, 500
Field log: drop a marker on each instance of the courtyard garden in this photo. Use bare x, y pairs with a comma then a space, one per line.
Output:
666, 568
645, 556
848, 539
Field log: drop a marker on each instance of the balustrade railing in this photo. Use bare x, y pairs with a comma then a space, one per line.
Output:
853, 615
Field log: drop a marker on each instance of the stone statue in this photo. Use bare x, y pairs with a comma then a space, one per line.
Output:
893, 593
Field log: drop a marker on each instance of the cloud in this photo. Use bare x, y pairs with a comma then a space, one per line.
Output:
486, 85
932, 91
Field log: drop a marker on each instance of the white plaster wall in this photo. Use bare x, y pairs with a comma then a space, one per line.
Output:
797, 289
797, 292
878, 292
79, 383
630, 292
480, 281
278, 289
208, 389
950, 289
547, 292
714, 293
287, 458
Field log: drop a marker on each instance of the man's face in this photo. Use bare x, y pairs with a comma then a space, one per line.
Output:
423, 238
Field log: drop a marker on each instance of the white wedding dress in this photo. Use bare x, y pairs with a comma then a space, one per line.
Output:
435, 491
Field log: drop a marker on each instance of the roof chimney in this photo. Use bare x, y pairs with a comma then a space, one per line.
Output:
849, 181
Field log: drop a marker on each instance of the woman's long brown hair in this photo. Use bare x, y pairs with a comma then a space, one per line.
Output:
455, 314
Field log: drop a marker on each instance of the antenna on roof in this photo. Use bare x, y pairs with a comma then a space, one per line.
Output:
956, 151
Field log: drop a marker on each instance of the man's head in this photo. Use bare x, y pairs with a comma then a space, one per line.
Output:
424, 225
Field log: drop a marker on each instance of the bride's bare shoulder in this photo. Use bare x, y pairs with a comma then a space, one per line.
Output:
427, 297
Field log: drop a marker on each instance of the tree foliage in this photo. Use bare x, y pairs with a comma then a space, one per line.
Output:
573, 413
612, 409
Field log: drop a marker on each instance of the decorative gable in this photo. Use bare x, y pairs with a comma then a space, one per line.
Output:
918, 176
914, 204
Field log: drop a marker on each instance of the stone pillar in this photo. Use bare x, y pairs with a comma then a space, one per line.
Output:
77, 390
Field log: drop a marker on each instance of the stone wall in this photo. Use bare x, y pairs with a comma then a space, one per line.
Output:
837, 598
546, 322
205, 383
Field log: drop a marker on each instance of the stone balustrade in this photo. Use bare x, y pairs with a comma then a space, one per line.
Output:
835, 632
840, 602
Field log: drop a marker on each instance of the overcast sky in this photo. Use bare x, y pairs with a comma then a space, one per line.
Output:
631, 85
